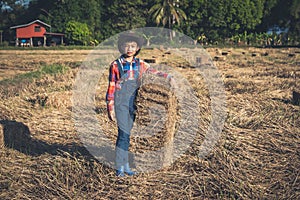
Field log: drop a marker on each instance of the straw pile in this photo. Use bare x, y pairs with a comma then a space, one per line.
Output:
257, 156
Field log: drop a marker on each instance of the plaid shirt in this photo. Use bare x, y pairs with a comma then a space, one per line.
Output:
115, 79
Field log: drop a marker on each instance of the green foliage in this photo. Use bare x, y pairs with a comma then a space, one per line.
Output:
53, 69
120, 16
228, 18
167, 11
220, 19
217, 20
295, 19
58, 13
78, 33
284, 15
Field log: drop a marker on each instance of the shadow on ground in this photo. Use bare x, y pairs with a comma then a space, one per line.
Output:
17, 136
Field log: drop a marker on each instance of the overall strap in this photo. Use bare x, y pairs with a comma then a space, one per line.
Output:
121, 71
139, 69
120, 68
139, 77
138, 64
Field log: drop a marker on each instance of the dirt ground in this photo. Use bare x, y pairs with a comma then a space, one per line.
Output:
256, 157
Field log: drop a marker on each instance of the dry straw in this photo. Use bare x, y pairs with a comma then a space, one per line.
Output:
257, 156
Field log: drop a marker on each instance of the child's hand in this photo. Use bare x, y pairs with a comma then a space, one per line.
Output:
111, 110
111, 115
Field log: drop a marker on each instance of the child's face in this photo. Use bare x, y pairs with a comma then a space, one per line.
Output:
130, 48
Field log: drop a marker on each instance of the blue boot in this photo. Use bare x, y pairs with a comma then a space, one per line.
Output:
128, 171
120, 171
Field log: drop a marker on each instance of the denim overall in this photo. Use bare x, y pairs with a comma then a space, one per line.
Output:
125, 109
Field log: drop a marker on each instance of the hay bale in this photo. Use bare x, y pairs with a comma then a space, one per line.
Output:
157, 117
219, 58
225, 53
291, 55
150, 60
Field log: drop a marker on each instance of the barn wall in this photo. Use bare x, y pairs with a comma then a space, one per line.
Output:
28, 31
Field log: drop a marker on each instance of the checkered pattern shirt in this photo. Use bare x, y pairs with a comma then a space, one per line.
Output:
115, 79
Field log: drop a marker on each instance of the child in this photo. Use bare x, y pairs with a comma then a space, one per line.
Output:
125, 75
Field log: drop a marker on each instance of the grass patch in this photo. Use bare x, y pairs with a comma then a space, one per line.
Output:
27, 81
30, 76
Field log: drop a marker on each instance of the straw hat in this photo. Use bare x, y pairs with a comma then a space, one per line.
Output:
129, 37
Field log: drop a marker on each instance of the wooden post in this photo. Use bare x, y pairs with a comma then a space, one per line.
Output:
45, 40
17, 42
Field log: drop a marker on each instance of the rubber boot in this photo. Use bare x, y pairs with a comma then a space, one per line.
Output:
120, 171
128, 171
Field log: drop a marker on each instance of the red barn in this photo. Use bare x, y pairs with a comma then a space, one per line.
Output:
35, 34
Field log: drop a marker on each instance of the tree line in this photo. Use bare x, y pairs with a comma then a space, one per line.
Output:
257, 22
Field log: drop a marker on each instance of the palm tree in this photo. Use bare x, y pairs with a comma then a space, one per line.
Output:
167, 11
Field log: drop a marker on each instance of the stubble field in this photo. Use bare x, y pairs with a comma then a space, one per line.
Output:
256, 157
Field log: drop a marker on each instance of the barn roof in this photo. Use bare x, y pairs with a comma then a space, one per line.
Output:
35, 21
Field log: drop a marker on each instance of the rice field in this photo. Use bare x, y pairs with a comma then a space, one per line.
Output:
256, 157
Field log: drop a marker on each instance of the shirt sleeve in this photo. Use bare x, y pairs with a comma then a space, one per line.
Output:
112, 79
146, 68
